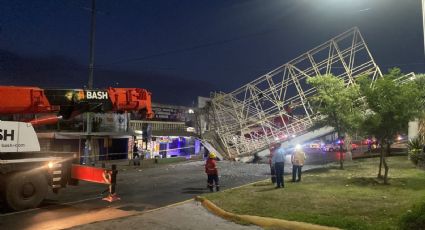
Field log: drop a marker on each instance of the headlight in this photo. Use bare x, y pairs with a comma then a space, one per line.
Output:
50, 165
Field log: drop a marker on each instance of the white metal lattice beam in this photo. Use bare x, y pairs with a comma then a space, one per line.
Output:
275, 106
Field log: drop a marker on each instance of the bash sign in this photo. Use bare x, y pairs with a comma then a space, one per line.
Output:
97, 95
6, 134
17, 137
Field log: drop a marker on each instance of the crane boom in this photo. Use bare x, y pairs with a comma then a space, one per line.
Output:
70, 102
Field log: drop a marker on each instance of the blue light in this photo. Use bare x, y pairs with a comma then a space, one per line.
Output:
179, 144
197, 146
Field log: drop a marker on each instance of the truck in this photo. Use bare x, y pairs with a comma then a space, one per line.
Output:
26, 172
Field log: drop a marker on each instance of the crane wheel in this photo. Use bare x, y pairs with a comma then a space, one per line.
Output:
25, 190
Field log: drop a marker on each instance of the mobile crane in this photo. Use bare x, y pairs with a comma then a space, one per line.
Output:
26, 173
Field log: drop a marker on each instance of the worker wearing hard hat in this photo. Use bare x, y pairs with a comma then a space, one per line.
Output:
298, 158
212, 172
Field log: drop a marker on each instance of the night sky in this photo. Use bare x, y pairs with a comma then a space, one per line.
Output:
181, 49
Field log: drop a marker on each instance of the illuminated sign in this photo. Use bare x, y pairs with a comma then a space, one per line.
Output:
165, 140
96, 95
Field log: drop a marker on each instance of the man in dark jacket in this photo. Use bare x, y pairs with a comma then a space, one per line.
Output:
136, 156
278, 160
272, 169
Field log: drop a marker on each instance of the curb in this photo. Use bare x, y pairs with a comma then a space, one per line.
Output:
167, 206
265, 222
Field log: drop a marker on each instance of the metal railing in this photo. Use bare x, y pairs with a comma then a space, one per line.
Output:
158, 125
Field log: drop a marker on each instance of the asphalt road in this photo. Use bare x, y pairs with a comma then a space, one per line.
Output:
141, 189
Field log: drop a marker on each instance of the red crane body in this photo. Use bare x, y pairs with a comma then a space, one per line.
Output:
26, 100
50, 105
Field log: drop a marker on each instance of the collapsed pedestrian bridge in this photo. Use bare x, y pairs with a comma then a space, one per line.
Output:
275, 106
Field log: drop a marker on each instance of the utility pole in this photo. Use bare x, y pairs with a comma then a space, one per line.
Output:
423, 21
90, 81
92, 39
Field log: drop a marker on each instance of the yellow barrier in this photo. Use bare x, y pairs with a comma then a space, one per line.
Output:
260, 221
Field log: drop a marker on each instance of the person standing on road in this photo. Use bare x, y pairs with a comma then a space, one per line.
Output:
278, 161
212, 172
272, 169
298, 158
136, 156
87, 149
369, 145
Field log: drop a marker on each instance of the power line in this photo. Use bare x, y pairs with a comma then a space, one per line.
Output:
187, 49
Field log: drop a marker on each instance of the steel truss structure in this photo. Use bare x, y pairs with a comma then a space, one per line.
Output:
275, 107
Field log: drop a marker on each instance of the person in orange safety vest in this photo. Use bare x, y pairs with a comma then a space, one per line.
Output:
298, 159
212, 172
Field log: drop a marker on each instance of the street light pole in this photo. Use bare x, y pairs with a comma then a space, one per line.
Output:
92, 37
423, 21
90, 81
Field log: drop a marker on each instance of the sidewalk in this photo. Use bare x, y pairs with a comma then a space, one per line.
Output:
188, 215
